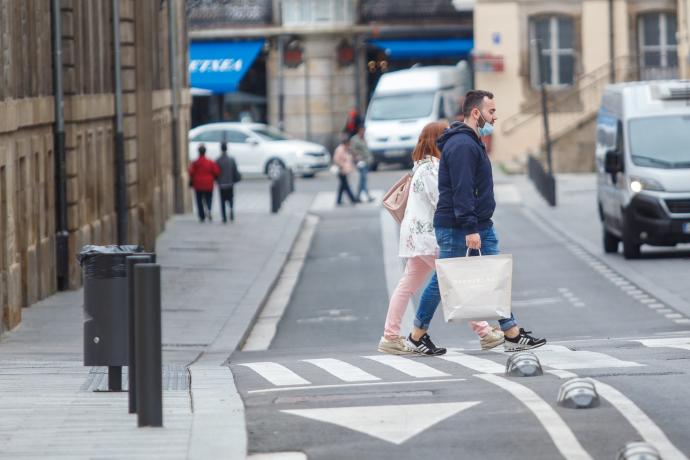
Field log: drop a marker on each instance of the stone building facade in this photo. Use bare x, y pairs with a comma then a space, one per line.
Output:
586, 44
29, 185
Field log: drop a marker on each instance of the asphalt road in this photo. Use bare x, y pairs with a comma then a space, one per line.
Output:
322, 389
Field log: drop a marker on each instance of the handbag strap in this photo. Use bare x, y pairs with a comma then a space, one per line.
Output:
467, 254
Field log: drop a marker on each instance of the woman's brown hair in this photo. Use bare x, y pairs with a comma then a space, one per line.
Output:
426, 145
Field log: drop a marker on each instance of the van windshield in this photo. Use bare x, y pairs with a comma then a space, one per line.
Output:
660, 142
401, 106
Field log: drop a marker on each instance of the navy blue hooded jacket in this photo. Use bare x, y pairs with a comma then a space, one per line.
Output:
465, 182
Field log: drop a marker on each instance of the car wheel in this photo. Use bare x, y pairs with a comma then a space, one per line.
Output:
274, 168
374, 166
308, 176
610, 242
631, 249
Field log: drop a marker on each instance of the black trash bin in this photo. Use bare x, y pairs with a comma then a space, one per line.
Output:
106, 316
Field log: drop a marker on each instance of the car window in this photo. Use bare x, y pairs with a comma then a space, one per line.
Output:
235, 137
401, 106
209, 136
269, 134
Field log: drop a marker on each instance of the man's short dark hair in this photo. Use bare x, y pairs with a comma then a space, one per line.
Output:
202, 149
223, 147
474, 99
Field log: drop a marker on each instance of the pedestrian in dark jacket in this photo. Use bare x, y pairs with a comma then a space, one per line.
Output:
229, 176
462, 221
202, 175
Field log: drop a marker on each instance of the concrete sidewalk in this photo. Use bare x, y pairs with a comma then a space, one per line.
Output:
215, 278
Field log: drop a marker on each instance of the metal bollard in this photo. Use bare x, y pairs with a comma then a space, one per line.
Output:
148, 361
131, 261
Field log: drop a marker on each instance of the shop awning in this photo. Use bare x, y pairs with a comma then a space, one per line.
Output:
431, 48
220, 66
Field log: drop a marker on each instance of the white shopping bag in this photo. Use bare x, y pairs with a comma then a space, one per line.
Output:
475, 288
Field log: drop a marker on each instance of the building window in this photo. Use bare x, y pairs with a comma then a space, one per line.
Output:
557, 48
658, 46
310, 12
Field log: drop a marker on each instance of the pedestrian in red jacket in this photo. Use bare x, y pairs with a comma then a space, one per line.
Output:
202, 175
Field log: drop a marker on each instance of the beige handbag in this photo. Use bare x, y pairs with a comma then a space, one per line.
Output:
395, 199
475, 288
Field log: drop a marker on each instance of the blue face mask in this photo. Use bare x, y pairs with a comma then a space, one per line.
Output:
487, 129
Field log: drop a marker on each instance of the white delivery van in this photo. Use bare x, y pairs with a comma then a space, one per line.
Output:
643, 165
403, 102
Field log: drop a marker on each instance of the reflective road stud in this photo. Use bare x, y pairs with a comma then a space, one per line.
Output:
638, 451
524, 364
578, 393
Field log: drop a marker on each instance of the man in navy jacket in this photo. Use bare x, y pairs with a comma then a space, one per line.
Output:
462, 221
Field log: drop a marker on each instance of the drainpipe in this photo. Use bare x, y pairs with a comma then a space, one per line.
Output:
120, 171
612, 50
61, 234
281, 82
307, 95
172, 54
357, 43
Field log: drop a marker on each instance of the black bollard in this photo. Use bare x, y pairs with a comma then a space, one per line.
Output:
148, 361
131, 261
114, 378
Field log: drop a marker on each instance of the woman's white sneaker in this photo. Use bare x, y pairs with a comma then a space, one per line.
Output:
395, 346
492, 339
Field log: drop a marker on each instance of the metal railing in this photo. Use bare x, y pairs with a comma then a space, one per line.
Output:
584, 97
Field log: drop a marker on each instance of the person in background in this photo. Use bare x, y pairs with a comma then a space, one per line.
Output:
229, 176
418, 244
342, 158
354, 121
202, 175
363, 158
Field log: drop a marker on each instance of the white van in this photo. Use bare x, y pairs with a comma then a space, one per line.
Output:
403, 103
643, 165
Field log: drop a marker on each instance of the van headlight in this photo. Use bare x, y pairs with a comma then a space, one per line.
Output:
638, 184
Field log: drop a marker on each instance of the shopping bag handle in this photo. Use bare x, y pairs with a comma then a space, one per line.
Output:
467, 254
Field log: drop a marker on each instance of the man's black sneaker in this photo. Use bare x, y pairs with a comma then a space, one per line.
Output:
424, 346
523, 341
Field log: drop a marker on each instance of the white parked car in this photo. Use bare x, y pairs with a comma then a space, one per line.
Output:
259, 149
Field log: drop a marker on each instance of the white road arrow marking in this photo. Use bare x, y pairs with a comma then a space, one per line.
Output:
389, 423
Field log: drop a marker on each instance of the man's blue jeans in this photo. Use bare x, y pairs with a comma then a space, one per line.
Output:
451, 242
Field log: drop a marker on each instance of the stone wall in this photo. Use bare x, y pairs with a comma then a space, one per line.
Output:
27, 182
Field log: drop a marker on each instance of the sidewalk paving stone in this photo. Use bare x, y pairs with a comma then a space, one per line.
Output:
215, 278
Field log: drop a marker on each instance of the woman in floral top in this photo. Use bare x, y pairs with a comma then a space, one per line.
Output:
418, 243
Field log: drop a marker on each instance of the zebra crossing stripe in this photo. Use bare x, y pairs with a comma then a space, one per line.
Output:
408, 366
484, 366
277, 374
342, 370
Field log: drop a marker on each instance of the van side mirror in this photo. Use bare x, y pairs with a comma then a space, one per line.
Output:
613, 162
251, 141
